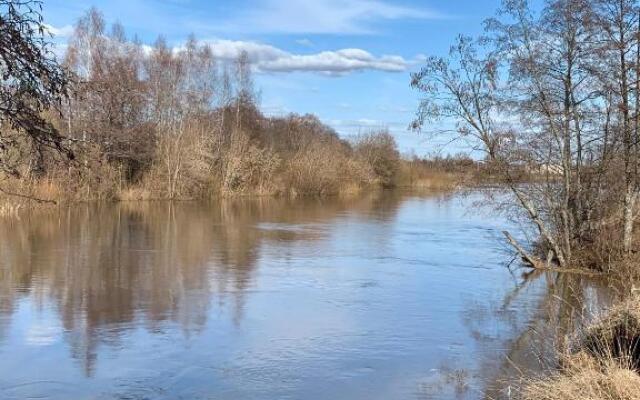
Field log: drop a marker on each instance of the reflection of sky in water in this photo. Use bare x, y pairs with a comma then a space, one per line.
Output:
366, 298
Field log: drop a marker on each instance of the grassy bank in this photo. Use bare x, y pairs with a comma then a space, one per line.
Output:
600, 362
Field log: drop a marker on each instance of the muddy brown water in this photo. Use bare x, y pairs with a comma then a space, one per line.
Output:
387, 296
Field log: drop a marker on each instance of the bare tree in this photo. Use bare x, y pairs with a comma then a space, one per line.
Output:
460, 87
552, 96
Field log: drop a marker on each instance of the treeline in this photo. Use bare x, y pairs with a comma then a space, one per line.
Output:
156, 122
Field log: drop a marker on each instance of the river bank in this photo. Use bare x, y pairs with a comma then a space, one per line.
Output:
602, 361
419, 175
589, 347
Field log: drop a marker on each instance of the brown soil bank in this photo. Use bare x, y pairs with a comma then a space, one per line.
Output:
604, 365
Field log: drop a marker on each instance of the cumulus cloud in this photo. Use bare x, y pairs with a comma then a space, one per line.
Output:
324, 16
270, 59
267, 58
335, 62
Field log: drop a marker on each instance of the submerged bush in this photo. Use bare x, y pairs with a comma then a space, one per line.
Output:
320, 169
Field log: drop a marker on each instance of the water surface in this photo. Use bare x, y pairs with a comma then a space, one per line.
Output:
387, 296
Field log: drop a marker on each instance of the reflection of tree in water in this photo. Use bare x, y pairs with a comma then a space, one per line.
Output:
528, 328
104, 267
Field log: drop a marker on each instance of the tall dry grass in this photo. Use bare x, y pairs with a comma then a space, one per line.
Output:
325, 169
414, 175
603, 363
249, 169
586, 381
442, 173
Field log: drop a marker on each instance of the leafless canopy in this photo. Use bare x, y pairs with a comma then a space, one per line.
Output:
553, 99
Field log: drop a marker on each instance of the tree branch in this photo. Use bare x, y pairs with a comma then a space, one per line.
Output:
533, 261
28, 197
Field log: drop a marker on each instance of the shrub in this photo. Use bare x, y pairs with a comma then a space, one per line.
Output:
249, 168
380, 151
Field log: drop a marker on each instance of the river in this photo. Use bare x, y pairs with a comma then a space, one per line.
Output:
386, 296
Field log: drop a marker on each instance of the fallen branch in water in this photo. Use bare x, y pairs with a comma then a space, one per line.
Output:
539, 265
28, 197
575, 271
532, 261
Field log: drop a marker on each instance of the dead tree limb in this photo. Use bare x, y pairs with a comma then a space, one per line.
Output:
532, 261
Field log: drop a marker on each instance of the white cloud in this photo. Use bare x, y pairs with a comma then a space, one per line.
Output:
335, 62
358, 123
323, 16
270, 59
258, 52
396, 109
267, 58
305, 42
356, 126
60, 32
420, 58
275, 110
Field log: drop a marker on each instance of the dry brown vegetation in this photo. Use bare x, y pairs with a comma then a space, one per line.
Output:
586, 382
443, 173
165, 123
602, 363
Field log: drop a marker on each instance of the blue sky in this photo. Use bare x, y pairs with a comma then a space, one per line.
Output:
347, 61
